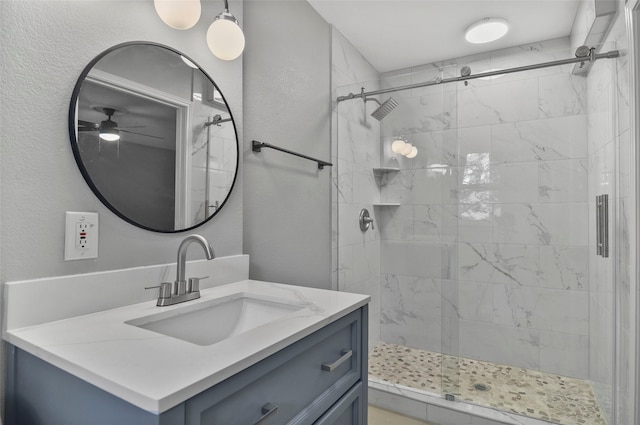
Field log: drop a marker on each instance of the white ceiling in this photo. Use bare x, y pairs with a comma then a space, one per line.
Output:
396, 34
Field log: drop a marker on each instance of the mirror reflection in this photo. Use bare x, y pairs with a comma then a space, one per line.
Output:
153, 137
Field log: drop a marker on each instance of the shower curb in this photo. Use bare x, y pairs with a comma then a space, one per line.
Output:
433, 408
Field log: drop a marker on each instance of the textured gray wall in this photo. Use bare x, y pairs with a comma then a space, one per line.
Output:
287, 63
137, 180
45, 46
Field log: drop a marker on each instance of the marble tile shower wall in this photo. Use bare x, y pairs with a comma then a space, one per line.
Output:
355, 152
493, 215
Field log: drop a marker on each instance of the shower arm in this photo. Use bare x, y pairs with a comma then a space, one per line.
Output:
217, 120
366, 99
592, 57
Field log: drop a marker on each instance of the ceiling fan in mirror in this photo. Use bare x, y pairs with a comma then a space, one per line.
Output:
108, 129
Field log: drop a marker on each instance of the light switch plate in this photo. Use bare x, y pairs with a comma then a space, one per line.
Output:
81, 235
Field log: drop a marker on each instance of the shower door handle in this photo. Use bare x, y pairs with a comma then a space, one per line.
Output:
598, 225
602, 225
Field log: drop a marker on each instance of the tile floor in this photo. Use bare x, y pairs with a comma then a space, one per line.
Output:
552, 398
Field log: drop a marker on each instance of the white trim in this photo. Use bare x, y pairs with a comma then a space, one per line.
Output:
632, 14
128, 86
183, 126
183, 169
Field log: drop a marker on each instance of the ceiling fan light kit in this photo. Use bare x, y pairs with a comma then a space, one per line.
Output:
225, 38
109, 129
109, 134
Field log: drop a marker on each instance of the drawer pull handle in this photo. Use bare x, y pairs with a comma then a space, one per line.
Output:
346, 355
267, 410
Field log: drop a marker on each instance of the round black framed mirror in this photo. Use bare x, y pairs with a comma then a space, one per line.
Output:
153, 137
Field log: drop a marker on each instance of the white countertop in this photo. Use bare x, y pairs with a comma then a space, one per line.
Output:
157, 372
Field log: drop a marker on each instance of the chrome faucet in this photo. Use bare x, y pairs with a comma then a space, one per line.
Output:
184, 290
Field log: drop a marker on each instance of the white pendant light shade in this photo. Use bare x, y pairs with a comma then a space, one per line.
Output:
486, 30
225, 37
178, 14
398, 146
413, 153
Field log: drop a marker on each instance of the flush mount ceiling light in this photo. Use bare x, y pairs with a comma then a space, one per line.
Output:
486, 30
225, 37
178, 14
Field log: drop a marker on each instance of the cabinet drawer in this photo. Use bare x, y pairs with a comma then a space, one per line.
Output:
349, 410
294, 386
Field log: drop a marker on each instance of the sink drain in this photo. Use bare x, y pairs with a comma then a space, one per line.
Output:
480, 387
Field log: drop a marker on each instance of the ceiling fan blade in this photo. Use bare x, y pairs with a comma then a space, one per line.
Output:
87, 126
141, 134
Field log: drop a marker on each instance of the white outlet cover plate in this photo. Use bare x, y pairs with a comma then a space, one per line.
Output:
72, 250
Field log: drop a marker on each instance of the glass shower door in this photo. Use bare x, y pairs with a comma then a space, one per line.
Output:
534, 303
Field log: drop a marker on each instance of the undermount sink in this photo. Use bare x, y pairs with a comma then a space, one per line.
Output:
212, 321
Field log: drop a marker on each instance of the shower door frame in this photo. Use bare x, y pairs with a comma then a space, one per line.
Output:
632, 12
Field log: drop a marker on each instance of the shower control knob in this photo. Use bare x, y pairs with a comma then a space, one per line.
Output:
365, 220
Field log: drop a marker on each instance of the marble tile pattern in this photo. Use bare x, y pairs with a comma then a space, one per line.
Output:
355, 153
549, 397
494, 211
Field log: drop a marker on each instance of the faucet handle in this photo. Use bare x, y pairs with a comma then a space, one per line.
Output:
165, 289
193, 284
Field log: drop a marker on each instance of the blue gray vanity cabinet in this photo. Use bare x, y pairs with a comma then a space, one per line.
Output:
320, 380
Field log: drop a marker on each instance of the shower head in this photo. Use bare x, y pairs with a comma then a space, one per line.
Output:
384, 109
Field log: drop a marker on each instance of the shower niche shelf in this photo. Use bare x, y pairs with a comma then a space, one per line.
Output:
382, 170
387, 204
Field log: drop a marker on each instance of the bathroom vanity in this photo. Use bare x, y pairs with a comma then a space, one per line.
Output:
292, 355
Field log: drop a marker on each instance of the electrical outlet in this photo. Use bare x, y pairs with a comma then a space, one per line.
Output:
82, 230
81, 235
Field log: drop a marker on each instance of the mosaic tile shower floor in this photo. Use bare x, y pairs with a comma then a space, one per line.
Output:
552, 398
